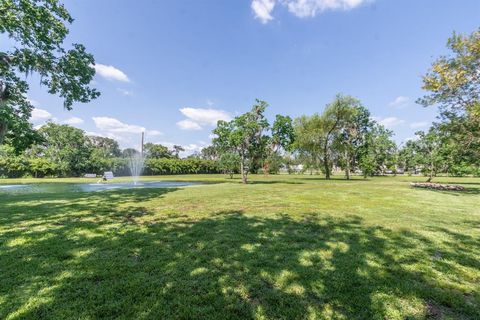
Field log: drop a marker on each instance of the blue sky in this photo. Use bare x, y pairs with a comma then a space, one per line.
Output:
174, 67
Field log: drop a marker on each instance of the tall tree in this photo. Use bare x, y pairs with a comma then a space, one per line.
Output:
67, 147
107, 147
453, 83
317, 133
177, 149
157, 151
351, 136
37, 30
430, 152
244, 135
281, 139
378, 151
209, 153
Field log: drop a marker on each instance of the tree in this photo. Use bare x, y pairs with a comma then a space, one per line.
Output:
309, 133
351, 136
209, 153
408, 157
41, 167
177, 149
453, 83
107, 147
283, 133
157, 151
37, 29
282, 138
429, 147
129, 152
67, 147
316, 134
229, 163
377, 153
244, 136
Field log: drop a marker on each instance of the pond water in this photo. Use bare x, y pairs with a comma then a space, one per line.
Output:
88, 187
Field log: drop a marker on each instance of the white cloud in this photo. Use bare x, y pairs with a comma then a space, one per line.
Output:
302, 8
389, 122
400, 102
128, 135
111, 73
205, 116
188, 125
73, 120
421, 124
154, 133
40, 115
116, 126
262, 9
310, 8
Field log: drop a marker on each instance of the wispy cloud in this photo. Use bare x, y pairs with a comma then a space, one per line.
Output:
262, 9
110, 72
116, 126
400, 102
198, 117
73, 121
154, 133
128, 135
310, 8
188, 125
39, 115
389, 122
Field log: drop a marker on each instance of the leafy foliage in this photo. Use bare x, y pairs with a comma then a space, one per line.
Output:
453, 83
37, 29
244, 136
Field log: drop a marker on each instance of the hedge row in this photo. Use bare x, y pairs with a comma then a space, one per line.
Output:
14, 167
180, 166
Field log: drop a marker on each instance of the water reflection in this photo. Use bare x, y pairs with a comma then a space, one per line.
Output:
88, 187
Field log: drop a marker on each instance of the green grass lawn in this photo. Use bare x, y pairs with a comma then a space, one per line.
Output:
283, 247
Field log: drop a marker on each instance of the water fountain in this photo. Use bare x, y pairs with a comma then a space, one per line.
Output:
136, 163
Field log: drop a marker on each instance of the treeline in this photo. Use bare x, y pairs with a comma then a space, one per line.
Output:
343, 137
66, 151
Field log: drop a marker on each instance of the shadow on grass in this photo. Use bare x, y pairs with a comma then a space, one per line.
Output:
125, 262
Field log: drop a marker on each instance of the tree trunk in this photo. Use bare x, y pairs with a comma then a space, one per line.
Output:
3, 131
325, 159
326, 167
430, 176
242, 169
431, 169
347, 166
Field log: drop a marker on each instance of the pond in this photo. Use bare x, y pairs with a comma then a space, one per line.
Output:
88, 187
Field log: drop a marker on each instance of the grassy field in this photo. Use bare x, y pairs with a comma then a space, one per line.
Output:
283, 247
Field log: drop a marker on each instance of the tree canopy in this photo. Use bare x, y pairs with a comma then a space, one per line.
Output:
37, 30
